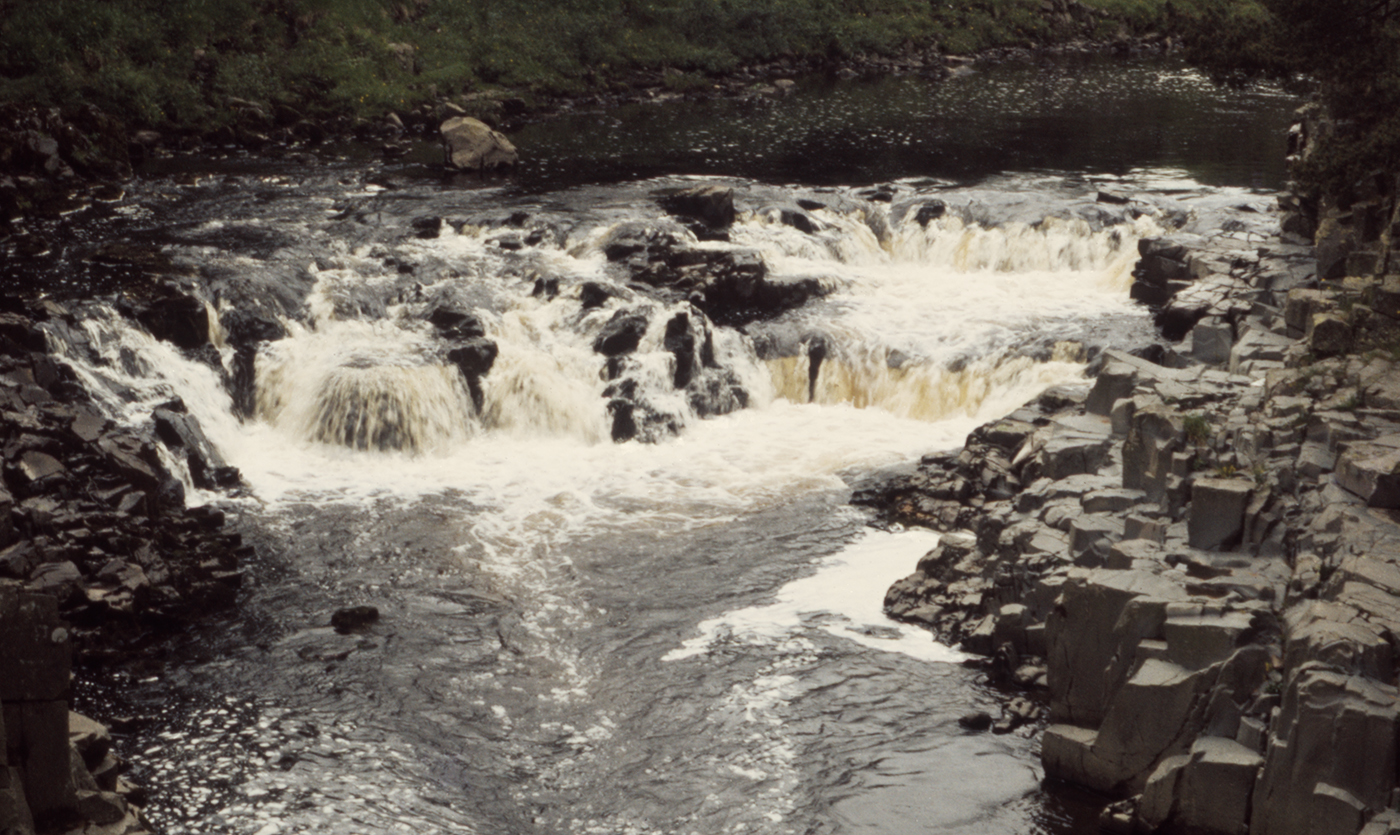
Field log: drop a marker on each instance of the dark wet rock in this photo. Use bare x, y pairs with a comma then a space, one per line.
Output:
455, 319
474, 357
593, 294
712, 205
622, 334
979, 721
644, 241
692, 345
799, 218
426, 227
354, 617
178, 319
243, 327
181, 432
545, 288
932, 210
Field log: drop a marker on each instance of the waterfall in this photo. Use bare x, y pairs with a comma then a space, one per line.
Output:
486, 358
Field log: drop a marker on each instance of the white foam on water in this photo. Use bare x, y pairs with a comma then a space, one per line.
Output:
842, 598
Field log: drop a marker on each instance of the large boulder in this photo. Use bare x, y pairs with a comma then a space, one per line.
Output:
182, 431
471, 145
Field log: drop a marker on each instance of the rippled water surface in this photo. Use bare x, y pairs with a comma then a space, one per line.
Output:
678, 636
1090, 116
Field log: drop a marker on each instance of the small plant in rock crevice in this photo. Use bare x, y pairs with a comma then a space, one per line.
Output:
1197, 429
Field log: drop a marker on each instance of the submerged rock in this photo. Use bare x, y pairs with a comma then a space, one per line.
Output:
354, 617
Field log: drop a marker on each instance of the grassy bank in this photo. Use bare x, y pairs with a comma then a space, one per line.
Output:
177, 63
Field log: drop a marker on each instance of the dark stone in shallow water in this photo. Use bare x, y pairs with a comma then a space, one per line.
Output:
622, 334
713, 205
354, 617
475, 356
932, 210
247, 328
979, 721
455, 319
182, 320
592, 294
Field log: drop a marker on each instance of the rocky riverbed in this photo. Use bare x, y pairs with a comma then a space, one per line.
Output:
102, 562
1191, 564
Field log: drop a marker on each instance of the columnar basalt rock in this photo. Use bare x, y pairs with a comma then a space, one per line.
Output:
1213, 582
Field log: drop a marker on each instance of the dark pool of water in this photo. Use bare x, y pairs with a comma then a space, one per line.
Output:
1088, 115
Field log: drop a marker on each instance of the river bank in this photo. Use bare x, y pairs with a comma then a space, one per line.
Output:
1192, 559
55, 161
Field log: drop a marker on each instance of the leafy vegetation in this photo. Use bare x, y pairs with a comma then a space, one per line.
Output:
1196, 428
178, 62
1351, 48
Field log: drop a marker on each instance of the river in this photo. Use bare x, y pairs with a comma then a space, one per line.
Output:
674, 634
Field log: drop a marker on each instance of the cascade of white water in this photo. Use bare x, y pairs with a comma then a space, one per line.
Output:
931, 328
365, 385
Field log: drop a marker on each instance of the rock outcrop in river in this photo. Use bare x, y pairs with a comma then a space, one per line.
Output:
99, 559
1197, 557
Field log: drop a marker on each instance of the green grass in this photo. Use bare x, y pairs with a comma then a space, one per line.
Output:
176, 62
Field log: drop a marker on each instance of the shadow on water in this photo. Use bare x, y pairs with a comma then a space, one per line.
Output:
1093, 116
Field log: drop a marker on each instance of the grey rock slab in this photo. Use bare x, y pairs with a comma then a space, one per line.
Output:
1159, 794
1069, 453
1217, 512
1211, 341
1197, 641
1155, 434
14, 809
39, 732
1129, 552
1372, 471
1067, 753
1137, 526
34, 647
1112, 500
1302, 304
1336, 636
1115, 382
1091, 536
1258, 346
1329, 334
1315, 460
